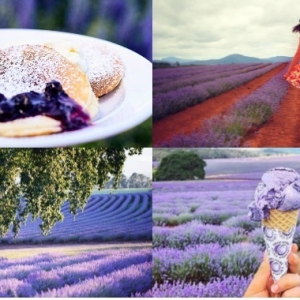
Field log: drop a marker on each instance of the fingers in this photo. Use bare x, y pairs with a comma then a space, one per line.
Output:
260, 279
288, 286
294, 248
293, 260
269, 284
292, 293
287, 282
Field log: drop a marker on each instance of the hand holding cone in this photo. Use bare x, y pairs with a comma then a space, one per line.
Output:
276, 204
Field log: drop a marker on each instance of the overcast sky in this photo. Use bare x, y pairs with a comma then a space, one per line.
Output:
205, 29
141, 164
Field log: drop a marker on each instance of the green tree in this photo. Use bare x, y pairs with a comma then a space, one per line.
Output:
38, 181
181, 165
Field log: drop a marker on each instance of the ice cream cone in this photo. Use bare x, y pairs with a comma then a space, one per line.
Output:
278, 232
276, 204
282, 220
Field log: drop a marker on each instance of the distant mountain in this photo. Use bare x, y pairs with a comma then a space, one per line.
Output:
173, 60
230, 59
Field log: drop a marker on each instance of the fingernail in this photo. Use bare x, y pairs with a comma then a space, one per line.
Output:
274, 288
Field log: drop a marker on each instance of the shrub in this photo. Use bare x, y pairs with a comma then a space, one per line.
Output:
195, 233
202, 263
243, 222
213, 217
233, 286
181, 165
256, 237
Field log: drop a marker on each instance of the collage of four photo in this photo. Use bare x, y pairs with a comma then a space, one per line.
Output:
149, 149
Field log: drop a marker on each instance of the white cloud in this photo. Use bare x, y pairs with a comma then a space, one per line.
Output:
213, 29
141, 164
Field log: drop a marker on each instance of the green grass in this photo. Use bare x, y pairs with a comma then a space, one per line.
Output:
140, 136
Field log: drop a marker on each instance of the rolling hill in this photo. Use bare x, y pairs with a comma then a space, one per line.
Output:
230, 59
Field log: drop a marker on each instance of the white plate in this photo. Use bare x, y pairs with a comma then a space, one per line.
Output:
127, 106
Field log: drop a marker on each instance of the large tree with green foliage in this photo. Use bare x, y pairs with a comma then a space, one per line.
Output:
38, 181
180, 165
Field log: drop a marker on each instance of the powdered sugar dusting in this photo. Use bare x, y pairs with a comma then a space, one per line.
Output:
104, 67
25, 68
102, 62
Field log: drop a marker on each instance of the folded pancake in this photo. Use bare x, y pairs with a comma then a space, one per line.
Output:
104, 68
25, 68
101, 63
32, 126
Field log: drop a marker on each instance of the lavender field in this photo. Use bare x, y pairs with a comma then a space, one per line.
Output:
177, 88
110, 252
114, 273
249, 112
106, 217
204, 243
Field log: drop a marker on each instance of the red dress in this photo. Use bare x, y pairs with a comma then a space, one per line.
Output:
294, 77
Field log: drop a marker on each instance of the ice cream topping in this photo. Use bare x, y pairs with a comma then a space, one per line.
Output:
279, 189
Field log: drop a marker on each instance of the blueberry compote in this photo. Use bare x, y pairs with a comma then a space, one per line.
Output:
53, 103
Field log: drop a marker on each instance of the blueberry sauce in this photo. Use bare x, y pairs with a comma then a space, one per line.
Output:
53, 103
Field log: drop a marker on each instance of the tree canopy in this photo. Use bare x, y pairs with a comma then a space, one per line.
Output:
37, 181
181, 165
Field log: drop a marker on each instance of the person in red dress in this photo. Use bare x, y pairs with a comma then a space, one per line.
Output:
292, 74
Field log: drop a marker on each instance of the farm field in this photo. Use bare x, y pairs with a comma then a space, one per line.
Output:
204, 243
233, 117
283, 132
106, 217
177, 88
21, 251
249, 168
113, 273
105, 252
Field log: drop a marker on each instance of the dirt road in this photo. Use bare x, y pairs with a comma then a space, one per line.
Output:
193, 117
283, 129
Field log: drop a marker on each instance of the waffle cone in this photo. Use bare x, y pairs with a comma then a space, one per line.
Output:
282, 220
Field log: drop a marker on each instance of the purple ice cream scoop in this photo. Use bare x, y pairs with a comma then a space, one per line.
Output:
279, 189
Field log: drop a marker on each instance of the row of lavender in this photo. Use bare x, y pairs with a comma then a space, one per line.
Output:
210, 202
162, 76
232, 231
177, 99
248, 113
179, 79
204, 243
114, 273
105, 218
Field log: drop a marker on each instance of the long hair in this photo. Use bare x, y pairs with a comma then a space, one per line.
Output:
296, 28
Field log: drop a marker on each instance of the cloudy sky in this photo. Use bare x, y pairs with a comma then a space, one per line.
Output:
141, 164
202, 29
